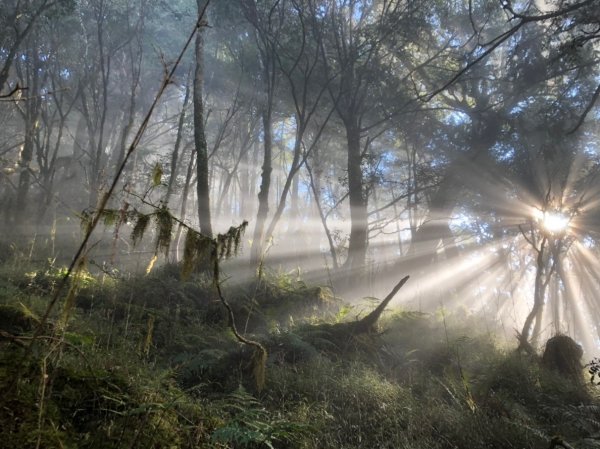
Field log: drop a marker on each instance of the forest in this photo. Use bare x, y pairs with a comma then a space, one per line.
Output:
299, 224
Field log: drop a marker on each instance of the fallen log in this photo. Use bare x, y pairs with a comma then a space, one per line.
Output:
367, 324
341, 333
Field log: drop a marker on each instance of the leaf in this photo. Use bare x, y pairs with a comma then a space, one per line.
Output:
157, 173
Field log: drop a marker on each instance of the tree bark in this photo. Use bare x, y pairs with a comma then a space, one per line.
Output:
202, 186
357, 249
287, 185
539, 292
178, 139
265, 184
316, 190
32, 113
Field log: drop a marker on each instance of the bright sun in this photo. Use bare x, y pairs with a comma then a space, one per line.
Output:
553, 222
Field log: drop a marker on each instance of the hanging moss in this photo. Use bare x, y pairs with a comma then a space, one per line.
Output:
201, 251
229, 243
157, 173
164, 224
196, 249
86, 220
110, 216
140, 227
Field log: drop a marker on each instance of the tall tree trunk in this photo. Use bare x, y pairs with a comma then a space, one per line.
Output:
357, 247
244, 180
50, 170
287, 185
184, 201
202, 186
175, 154
32, 111
105, 61
25, 171
539, 293
265, 184
315, 183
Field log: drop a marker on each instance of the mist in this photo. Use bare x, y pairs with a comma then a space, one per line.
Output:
258, 167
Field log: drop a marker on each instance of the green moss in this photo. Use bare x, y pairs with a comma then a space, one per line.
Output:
15, 319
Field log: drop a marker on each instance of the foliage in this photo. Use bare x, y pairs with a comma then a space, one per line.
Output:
200, 251
251, 425
146, 363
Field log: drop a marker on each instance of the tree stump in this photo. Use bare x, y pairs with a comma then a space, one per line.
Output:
563, 354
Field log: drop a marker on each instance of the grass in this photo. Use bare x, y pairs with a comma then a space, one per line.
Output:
149, 362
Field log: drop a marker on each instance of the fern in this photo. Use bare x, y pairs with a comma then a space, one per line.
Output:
584, 417
251, 425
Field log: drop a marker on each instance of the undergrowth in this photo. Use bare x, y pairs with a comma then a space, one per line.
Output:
150, 362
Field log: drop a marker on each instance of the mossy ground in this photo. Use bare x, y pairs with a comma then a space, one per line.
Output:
149, 362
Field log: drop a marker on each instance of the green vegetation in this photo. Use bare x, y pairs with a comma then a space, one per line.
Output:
151, 362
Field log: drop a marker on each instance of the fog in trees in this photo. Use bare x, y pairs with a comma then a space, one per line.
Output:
339, 143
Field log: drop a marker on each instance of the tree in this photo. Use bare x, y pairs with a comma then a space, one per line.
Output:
202, 182
300, 65
362, 44
18, 19
267, 20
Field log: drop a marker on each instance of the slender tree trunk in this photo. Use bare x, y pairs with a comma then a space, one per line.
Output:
287, 185
50, 172
315, 187
265, 184
25, 173
31, 119
129, 114
294, 209
539, 293
98, 154
175, 154
225, 197
202, 171
184, 201
244, 180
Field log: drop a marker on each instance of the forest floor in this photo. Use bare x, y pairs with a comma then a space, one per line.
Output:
150, 362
